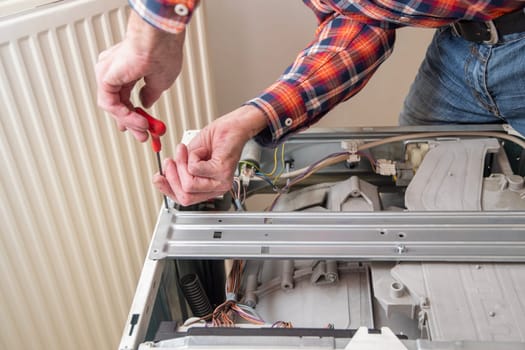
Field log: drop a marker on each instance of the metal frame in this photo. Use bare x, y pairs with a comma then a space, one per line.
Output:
365, 236
421, 236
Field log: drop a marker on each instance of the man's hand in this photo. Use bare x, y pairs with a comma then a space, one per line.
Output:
204, 169
145, 52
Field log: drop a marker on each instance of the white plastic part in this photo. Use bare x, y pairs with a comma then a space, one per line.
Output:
353, 158
511, 131
363, 340
501, 192
188, 136
385, 167
415, 153
352, 146
450, 176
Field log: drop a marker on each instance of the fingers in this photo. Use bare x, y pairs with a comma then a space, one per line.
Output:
141, 136
114, 90
185, 188
199, 183
164, 186
172, 186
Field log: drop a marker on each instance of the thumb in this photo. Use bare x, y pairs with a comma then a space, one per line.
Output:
154, 86
149, 94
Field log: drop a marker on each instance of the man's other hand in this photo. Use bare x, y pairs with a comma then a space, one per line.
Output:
145, 53
204, 169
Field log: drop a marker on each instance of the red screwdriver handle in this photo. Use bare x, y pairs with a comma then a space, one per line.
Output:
156, 128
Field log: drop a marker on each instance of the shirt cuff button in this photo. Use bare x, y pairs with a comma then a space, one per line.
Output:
181, 10
288, 121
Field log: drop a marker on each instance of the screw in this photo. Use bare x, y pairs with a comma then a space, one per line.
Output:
401, 249
331, 277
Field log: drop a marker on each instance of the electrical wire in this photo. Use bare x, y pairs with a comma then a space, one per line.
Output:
282, 324
329, 159
224, 314
373, 144
275, 164
371, 159
303, 173
283, 166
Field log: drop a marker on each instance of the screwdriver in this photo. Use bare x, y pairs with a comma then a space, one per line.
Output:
156, 129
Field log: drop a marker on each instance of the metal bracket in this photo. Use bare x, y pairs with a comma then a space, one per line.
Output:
422, 236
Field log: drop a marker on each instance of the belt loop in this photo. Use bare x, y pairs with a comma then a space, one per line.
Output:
455, 31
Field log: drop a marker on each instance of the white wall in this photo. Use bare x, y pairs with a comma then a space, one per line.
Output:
252, 42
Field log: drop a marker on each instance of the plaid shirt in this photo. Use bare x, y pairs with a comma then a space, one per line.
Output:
353, 38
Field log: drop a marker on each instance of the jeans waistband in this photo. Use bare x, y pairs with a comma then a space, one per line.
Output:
489, 32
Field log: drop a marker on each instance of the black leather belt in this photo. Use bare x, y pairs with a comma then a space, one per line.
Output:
489, 32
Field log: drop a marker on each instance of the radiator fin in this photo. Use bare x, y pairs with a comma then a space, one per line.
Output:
77, 207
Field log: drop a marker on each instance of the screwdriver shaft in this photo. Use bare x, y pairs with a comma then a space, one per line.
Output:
162, 174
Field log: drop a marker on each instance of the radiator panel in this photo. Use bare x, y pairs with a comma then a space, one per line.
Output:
77, 205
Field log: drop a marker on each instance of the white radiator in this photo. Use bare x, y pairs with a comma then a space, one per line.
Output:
77, 206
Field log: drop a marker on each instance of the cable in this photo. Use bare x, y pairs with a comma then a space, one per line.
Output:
283, 167
391, 139
304, 173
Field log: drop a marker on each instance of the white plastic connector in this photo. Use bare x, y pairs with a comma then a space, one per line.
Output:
352, 146
415, 153
353, 158
385, 167
247, 173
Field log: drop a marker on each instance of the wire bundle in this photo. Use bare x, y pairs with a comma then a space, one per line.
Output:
322, 163
224, 315
282, 324
271, 177
238, 192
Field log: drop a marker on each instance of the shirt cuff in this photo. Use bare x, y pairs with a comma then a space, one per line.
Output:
168, 15
285, 111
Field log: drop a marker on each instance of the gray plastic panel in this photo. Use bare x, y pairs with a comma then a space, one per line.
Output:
483, 302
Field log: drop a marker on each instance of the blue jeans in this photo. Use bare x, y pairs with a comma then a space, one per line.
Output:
461, 82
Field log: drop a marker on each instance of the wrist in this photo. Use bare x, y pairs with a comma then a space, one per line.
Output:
251, 120
147, 39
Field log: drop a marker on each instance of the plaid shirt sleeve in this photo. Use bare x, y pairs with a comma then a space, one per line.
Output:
168, 15
334, 67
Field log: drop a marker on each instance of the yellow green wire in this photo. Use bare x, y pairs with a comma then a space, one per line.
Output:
282, 166
274, 163
259, 169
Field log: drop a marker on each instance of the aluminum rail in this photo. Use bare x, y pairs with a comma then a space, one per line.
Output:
399, 236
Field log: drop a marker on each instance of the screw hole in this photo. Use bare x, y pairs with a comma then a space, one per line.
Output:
401, 235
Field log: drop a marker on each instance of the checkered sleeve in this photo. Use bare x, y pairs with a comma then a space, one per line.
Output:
168, 15
334, 67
